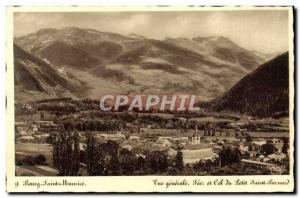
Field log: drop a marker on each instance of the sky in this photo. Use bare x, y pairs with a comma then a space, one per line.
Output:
261, 30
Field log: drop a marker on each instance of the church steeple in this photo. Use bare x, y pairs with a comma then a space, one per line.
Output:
196, 137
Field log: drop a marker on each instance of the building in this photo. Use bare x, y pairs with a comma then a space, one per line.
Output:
114, 136
43, 138
185, 139
196, 138
27, 139
46, 126
134, 137
127, 146
21, 128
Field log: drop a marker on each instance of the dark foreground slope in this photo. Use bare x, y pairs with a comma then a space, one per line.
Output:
263, 93
37, 78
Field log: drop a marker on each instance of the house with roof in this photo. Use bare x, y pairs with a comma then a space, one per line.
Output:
196, 138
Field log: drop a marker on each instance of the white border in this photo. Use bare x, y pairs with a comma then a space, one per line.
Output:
113, 2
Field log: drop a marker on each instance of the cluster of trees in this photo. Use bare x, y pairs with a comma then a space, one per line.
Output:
200, 168
285, 146
97, 120
232, 167
112, 122
66, 152
229, 156
240, 169
62, 108
96, 125
176, 123
31, 161
126, 116
109, 159
268, 148
209, 167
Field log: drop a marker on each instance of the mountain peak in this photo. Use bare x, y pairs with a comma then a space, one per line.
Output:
72, 31
71, 28
136, 36
218, 39
46, 31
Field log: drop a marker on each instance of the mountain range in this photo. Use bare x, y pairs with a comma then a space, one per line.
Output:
90, 63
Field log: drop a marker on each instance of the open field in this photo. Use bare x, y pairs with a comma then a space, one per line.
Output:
36, 170
36, 149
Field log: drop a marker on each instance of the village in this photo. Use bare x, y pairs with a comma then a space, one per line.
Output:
222, 140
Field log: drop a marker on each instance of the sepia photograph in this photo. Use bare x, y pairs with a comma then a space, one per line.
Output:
154, 92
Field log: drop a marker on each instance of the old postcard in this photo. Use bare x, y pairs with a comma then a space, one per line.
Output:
150, 99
